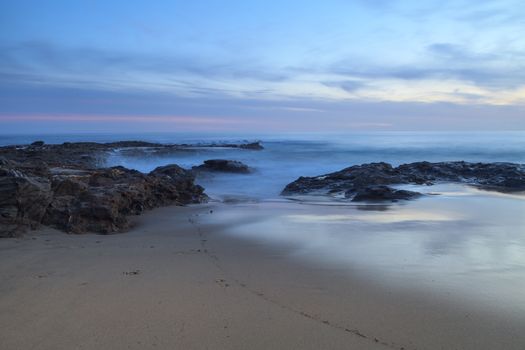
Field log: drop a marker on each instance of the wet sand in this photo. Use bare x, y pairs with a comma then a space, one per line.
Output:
179, 281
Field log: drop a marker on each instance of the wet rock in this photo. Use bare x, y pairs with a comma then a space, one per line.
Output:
102, 201
172, 171
353, 178
130, 144
381, 193
67, 186
87, 200
223, 165
23, 200
93, 154
253, 145
172, 179
38, 144
504, 177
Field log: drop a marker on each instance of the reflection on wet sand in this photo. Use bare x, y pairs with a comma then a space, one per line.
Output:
470, 245
383, 216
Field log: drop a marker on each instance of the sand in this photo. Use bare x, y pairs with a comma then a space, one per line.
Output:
175, 283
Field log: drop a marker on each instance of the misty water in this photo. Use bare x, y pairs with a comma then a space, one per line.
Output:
461, 241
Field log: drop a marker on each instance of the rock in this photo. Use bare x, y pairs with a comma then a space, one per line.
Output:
23, 200
173, 171
102, 201
223, 165
93, 154
381, 193
86, 200
253, 145
173, 178
129, 144
38, 144
353, 178
503, 177
67, 186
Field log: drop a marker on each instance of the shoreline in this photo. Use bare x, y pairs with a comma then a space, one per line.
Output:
195, 287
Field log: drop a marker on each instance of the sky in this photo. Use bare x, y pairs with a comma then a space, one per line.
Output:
331, 65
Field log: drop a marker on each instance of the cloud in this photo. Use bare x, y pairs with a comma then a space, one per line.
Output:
346, 85
46, 65
36, 59
442, 61
30, 108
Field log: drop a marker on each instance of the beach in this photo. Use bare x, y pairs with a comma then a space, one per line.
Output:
289, 243
178, 280
244, 175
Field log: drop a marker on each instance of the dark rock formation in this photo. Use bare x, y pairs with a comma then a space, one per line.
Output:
86, 200
223, 165
93, 154
67, 186
253, 145
503, 177
23, 199
102, 200
38, 144
381, 193
250, 145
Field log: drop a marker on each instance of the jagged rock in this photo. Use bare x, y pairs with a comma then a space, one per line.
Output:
23, 200
504, 177
86, 200
174, 179
223, 165
381, 193
102, 201
67, 186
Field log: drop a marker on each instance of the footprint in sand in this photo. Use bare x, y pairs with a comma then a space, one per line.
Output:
222, 282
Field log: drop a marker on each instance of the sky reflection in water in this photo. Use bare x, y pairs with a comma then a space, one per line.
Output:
471, 245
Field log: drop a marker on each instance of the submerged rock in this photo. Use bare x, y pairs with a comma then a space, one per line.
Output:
362, 180
223, 165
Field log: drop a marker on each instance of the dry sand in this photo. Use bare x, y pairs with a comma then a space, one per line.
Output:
172, 283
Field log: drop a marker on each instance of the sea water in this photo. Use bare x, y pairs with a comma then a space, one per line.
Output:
287, 156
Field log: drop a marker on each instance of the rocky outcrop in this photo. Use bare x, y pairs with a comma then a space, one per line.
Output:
80, 200
362, 181
93, 154
223, 165
102, 200
68, 186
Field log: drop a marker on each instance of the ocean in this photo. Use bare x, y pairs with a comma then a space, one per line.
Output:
288, 156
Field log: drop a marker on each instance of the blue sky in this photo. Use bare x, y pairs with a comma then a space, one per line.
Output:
261, 65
